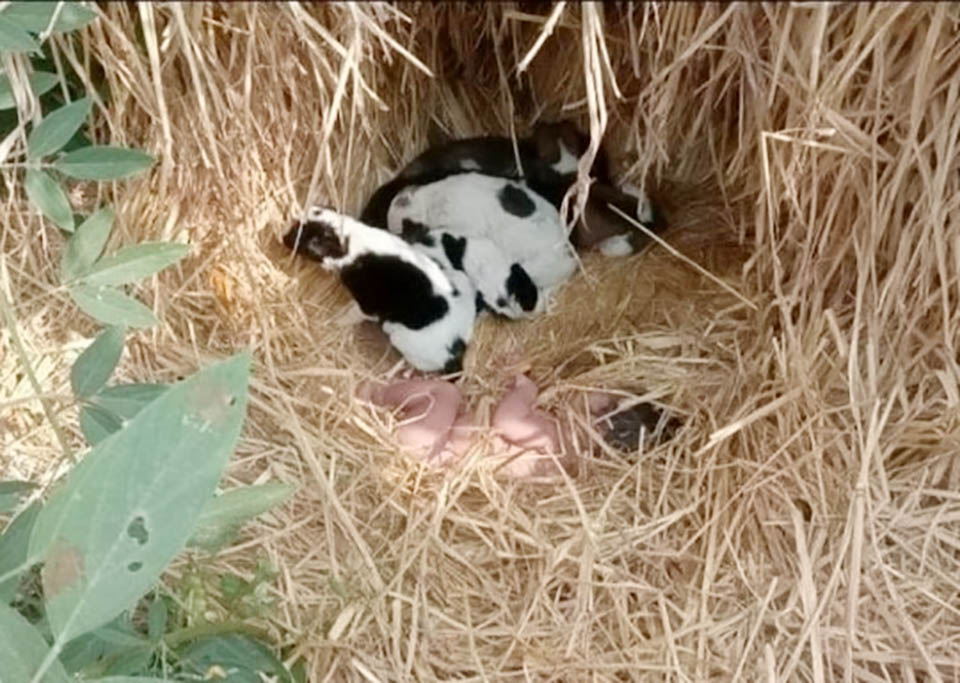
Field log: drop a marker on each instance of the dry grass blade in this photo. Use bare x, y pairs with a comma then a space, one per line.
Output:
801, 315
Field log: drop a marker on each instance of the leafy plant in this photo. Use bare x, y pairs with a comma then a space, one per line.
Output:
145, 490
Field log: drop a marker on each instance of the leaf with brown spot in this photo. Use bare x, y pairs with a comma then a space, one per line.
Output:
62, 570
122, 514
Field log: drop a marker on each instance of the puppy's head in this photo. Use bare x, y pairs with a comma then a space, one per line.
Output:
319, 236
549, 136
550, 139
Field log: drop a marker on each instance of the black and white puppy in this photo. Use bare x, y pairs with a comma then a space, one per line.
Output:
503, 287
427, 311
548, 162
508, 240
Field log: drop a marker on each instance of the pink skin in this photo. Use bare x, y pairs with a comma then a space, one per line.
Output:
432, 426
429, 410
516, 420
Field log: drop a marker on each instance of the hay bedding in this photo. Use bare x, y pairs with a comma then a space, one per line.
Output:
802, 525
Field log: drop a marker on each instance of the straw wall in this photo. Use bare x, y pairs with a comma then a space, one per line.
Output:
802, 525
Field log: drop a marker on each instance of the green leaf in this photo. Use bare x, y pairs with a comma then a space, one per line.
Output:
299, 671
133, 263
98, 651
104, 163
126, 400
94, 366
49, 197
120, 632
243, 656
124, 512
108, 409
157, 619
234, 587
223, 515
131, 661
11, 492
15, 39
132, 679
97, 424
35, 16
111, 306
22, 650
15, 486
40, 82
86, 244
14, 544
83, 652
56, 129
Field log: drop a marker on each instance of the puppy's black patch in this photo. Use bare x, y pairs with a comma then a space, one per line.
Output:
515, 201
414, 169
659, 222
415, 232
521, 287
625, 427
393, 290
481, 303
456, 350
315, 240
378, 206
454, 248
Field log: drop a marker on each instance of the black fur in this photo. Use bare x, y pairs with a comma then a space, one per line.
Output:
494, 156
314, 240
415, 232
521, 287
481, 303
375, 212
623, 430
456, 350
393, 290
515, 201
438, 163
454, 248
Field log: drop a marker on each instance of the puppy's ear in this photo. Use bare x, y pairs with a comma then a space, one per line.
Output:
437, 136
547, 142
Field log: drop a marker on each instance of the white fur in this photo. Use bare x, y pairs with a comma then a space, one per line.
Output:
568, 161
466, 205
427, 349
618, 245
469, 164
488, 269
362, 239
644, 207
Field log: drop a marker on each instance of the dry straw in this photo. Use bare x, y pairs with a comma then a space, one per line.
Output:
802, 525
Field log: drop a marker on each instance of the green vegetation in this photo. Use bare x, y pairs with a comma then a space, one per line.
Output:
78, 572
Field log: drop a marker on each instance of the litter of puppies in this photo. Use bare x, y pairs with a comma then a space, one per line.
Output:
469, 227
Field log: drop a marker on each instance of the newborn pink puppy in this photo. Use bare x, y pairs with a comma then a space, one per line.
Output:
435, 429
429, 409
533, 434
516, 420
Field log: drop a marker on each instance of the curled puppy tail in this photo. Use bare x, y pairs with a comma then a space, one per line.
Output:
377, 207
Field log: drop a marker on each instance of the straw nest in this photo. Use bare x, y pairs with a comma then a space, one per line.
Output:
802, 316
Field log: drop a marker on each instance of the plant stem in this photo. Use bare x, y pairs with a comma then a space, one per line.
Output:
174, 639
11, 323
